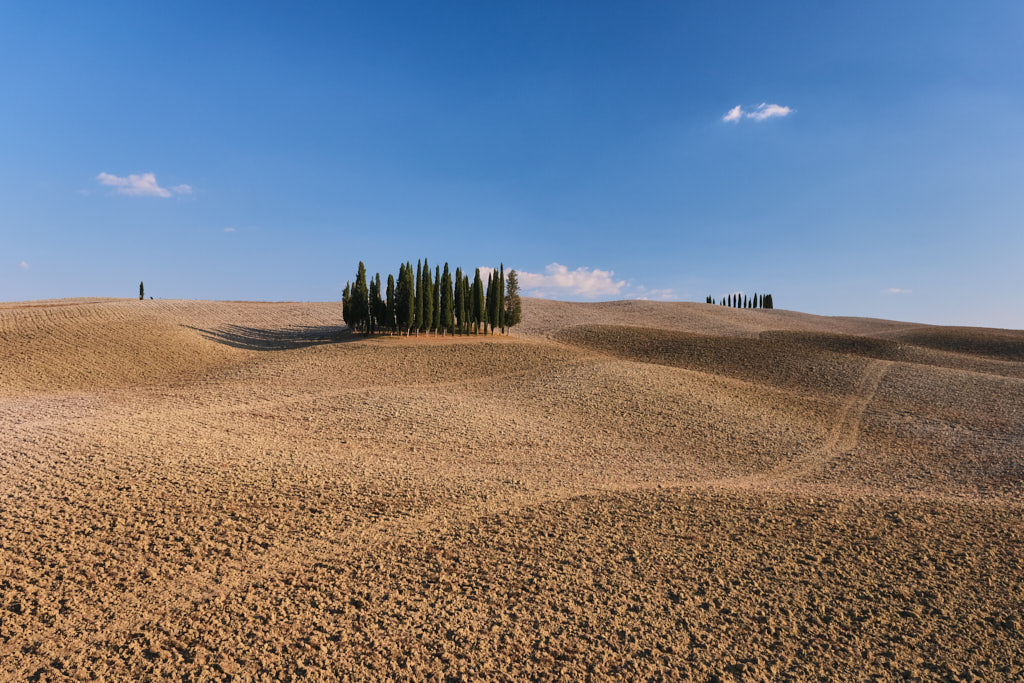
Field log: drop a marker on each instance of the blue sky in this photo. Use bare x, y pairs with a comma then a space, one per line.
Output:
585, 144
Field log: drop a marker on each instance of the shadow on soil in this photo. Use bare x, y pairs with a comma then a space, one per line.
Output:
258, 339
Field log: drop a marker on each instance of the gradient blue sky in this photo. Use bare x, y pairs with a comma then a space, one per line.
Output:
589, 135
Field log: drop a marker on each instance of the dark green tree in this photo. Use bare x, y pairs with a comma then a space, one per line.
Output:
447, 320
501, 297
359, 304
460, 301
417, 319
371, 318
389, 304
407, 299
513, 306
428, 299
142, 291
467, 297
489, 296
437, 299
479, 310
346, 295
382, 308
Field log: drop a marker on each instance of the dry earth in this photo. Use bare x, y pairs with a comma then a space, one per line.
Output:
230, 490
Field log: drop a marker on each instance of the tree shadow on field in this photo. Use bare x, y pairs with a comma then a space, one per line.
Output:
277, 339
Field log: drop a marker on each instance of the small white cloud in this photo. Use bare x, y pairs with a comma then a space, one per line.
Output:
558, 280
83, 192
23, 265
897, 290
768, 111
229, 229
760, 112
140, 185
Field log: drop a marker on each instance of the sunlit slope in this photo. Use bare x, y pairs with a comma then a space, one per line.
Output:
74, 344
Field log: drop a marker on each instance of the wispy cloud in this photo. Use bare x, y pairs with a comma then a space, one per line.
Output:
230, 229
759, 113
140, 185
897, 290
734, 114
23, 265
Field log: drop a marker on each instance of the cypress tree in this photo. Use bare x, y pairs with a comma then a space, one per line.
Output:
459, 310
418, 315
399, 292
346, 314
407, 300
428, 299
371, 305
142, 291
437, 299
447, 307
479, 313
467, 297
513, 306
489, 303
380, 309
360, 299
389, 304
501, 298
376, 304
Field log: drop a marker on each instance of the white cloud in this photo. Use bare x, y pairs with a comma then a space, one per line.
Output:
140, 185
23, 265
767, 111
760, 112
558, 280
897, 290
229, 229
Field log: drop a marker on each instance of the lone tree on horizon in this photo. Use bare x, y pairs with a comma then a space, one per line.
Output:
142, 291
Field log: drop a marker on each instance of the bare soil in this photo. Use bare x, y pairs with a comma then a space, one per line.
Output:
237, 490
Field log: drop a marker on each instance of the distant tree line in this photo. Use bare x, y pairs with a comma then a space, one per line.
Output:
418, 301
743, 301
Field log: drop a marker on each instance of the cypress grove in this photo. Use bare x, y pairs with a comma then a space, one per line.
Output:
742, 301
441, 302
